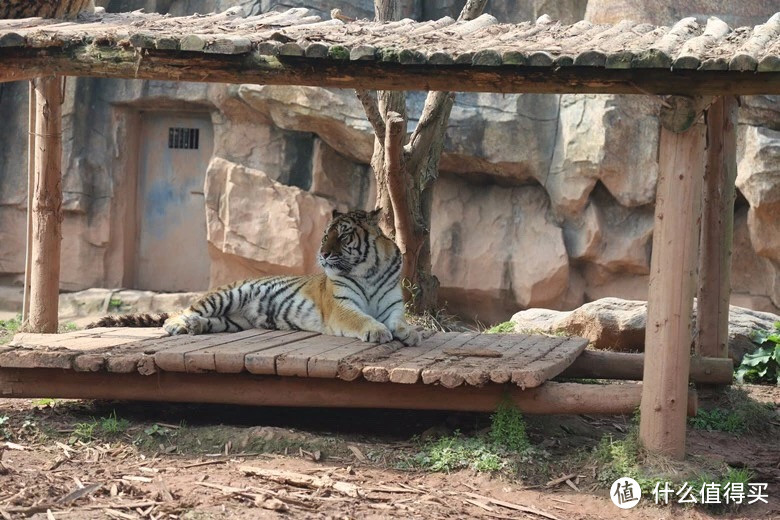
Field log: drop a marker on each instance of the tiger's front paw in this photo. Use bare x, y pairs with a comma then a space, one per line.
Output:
406, 334
377, 334
183, 325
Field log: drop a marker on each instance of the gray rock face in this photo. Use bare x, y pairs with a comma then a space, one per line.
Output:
543, 200
615, 324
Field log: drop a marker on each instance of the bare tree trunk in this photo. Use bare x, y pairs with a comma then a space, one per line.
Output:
405, 171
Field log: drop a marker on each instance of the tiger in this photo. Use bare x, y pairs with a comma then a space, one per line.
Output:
358, 295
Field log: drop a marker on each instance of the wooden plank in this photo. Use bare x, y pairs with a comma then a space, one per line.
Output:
672, 268
25, 357
534, 347
127, 357
291, 359
351, 367
376, 366
172, 358
47, 207
514, 345
409, 371
326, 364
296, 362
246, 389
550, 365
45, 340
230, 359
450, 371
139, 356
205, 360
202, 360
717, 229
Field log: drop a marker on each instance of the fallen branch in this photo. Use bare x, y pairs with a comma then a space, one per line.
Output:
510, 505
205, 463
560, 480
78, 493
301, 480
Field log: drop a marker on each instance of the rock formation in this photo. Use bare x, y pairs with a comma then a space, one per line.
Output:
543, 200
619, 325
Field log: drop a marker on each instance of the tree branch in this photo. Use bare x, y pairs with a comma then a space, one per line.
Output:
435, 103
471, 10
394, 136
371, 107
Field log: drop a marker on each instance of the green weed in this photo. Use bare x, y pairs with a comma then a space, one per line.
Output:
507, 429
111, 425
738, 414
67, 327
84, 431
8, 328
762, 365
501, 328
505, 444
5, 433
458, 452
46, 401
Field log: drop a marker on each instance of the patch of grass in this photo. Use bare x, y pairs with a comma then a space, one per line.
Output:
115, 304
5, 433
8, 328
502, 447
67, 327
506, 327
112, 425
84, 431
507, 429
46, 402
738, 414
458, 452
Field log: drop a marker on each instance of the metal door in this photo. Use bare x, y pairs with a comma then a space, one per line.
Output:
172, 253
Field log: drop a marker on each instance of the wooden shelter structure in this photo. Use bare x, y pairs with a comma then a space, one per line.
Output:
700, 69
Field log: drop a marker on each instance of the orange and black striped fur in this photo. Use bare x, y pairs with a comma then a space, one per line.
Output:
358, 295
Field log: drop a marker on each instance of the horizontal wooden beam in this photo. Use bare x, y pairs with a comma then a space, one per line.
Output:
247, 389
619, 365
19, 63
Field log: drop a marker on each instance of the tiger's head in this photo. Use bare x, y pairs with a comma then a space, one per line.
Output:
353, 243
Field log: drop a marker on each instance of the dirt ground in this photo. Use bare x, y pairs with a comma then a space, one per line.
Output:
85, 459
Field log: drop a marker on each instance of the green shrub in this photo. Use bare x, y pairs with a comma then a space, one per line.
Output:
762, 365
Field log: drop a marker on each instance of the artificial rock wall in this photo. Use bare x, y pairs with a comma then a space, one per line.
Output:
543, 200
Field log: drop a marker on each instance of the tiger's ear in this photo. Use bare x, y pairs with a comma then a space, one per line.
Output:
373, 216
336, 213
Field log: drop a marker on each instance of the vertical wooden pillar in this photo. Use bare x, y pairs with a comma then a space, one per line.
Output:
670, 302
717, 229
30, 187
47, 207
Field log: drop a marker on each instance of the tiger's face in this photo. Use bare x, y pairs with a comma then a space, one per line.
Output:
348, 240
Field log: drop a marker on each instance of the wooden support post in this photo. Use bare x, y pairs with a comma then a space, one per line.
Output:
30, 187
670, 302
717, 229
47, 207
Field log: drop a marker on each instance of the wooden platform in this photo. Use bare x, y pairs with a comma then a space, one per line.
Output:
447, 371
450, 359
